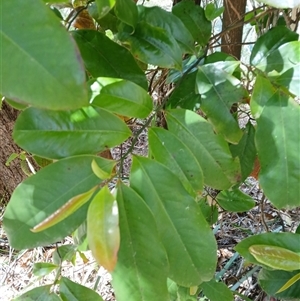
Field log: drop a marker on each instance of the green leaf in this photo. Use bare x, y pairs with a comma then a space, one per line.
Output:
271, 41
278, 145
41, 269
282, 4
72, 291
159, 17
245, 150
172, 289
153, 45
210, 212
184, 95
64, 253
275, 257
103, 233
15, 104
187, 238
283, 66
167, 149
193, 17
220, 170
43, 193
216, 291
99, 54
219, 91
122, 97
289, 283
104, 6
288, 241
235, 201
46, 61
184, 294
127, 12
272, 281
41, 293
212, 12
99, 172
142, 267
58, 133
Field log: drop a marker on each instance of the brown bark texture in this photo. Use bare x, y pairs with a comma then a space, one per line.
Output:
12, 175
232, 39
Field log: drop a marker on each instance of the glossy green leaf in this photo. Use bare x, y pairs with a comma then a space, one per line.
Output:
187, 238
142, 267
262, 92
99, 172
278, 145
122, 97
46, 61
271, 281
286, 240
217, 291
72, 291
99, 54
219, 91
103, 233
104, 6
283, 66
282, 4
43, 193
289, 283
235, 200
41, 293
55, 135
127, 12
41, 269
184, 95
159, 17
212, 11
64, 211
245, 150
15, 104
167, 149
270, 42
153, 45
193, 17
275, 257
220, 170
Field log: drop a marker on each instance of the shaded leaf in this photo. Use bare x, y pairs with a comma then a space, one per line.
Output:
235, 200
220, 170
167, 149
272, 281
186, 236
122, 97
43, 193
276, 257
288, 241
153, 45
41, 293
245, 150
104, 6
41, 269
59, 132
64, 253
289, 283
193, 17
219, 91
269, 42
127, 12
278, 146
142, 267
212, 11
72, 291
103, 233
36, 45
99, 54
216, 291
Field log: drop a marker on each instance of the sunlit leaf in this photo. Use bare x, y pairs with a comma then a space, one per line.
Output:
99, 172
104, 6
43, 268
39, 293
103, 229
127, 12
289, 283
45, 58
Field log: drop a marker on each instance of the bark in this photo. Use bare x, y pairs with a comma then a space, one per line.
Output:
232, 39
12, 175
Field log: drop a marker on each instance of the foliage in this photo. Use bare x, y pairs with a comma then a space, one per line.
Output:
78, 89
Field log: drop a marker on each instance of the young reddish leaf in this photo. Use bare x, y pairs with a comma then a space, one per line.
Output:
103, 229
276, 257
66, 210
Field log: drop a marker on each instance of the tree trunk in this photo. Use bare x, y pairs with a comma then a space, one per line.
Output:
12, 175
232, 39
